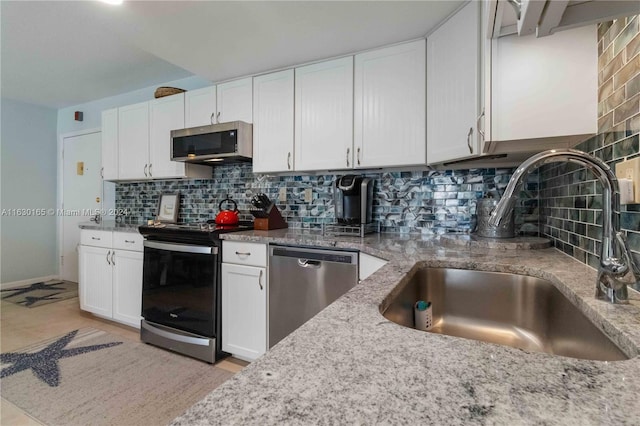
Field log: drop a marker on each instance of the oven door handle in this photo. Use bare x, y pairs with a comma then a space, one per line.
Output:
184, 248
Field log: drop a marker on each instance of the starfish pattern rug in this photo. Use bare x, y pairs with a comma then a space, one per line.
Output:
89, 376
41, 293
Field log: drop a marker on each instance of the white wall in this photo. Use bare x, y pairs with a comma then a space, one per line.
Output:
92, 110
28, 246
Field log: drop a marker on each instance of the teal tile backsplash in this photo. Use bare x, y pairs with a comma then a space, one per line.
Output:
426, 202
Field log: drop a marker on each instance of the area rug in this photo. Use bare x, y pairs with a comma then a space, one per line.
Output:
41, 293
91, 377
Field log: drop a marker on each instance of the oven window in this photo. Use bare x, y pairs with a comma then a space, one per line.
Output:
178, 290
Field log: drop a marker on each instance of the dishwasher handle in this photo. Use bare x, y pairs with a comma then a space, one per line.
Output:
306, 263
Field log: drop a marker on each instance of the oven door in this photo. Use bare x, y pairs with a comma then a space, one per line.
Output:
179, 286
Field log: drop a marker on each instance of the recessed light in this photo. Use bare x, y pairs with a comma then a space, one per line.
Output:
112, 2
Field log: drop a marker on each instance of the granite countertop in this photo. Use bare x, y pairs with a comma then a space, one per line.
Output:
349, 364
110, 225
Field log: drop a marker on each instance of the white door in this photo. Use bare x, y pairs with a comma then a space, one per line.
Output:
452, 87
200, 107
127, 287
324, 115
235, 101
81, 194
110, 144
95, 288
244, 311
165, 114
389, 106
133, 141
273, 122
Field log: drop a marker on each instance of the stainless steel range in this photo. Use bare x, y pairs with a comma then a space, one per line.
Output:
181, 287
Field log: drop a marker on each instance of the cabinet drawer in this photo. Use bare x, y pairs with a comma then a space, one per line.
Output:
241, 253
90, 237
128, 241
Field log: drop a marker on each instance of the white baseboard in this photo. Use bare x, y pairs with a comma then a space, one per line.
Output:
30, 281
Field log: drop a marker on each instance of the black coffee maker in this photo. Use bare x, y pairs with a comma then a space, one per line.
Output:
353, 199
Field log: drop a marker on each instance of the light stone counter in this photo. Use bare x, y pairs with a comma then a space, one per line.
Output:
110, 225
350, 365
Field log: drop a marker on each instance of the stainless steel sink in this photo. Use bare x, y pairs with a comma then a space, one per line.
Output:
514, 310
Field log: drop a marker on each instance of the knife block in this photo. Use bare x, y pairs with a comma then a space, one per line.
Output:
274, 220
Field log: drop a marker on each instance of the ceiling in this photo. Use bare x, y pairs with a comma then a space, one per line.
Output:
63, 53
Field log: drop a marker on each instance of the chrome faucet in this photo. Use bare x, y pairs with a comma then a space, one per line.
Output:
615, 257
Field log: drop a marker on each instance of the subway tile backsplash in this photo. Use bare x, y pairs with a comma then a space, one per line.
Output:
570, 196
426, 202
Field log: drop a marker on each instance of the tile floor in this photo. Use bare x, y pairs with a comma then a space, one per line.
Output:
20, 327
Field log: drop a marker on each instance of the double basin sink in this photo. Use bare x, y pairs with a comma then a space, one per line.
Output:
508, 309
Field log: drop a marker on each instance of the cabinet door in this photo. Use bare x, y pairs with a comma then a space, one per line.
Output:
133, 141
235, 101
165, 114
453, 87
127, 287
110, 144
95, 280
545, 87
389, 110
200, 107
244, 311
324, 115
273, 122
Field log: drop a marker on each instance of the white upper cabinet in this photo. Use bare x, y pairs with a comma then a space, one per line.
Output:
110, 144
235, 101
453, 87
133, 141
389, 106
165, 114
200, 107
324, 115
273, 122
544, 88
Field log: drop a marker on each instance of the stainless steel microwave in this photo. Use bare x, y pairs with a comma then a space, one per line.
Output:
223, 142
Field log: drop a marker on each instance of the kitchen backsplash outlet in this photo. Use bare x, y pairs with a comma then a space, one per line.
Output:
427, 202
570, 196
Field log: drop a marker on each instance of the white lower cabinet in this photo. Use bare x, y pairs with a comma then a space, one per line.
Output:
244, 299
110, 278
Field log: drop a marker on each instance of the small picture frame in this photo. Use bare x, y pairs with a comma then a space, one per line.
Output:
168, 207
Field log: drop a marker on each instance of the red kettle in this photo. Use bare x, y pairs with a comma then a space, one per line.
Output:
227, 217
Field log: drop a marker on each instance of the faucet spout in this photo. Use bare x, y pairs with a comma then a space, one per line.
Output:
615, 257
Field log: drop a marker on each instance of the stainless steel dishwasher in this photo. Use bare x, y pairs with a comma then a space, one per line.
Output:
304, 281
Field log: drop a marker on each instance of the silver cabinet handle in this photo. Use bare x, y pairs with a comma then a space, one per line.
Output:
239, 253
113, 261
469, 140
218, 117
129, 241
480, 132
212, 114
358, 156
96, 238
260, 280
348, 151
102, 172
145, 170
289, 161
150, 175
108, 253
